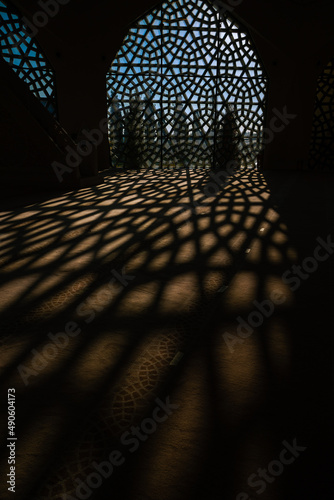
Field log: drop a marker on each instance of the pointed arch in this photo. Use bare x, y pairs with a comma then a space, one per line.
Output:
185, 67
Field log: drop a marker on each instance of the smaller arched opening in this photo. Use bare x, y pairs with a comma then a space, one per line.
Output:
24, 55
322, 139
186, 89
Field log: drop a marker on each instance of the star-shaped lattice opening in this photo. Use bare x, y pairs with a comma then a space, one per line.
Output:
182, 69
20, 49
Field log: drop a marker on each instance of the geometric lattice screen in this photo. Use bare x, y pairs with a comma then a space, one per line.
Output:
186, 89
25, 57
322, 142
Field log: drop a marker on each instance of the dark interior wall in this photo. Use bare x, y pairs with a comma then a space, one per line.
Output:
19, 150
80, 38
30, 142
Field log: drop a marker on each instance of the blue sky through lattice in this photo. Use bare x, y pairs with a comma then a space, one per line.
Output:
191, 61
25, 57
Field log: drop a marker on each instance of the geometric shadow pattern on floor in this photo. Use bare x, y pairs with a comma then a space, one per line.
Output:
141, 264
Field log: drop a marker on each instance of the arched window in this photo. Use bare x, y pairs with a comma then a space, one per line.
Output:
186, 89
322, 142
23, 54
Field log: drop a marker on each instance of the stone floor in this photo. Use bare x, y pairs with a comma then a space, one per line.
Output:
160, 343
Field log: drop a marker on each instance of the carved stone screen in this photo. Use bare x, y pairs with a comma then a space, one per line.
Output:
186, 89
22, 52
322, 142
